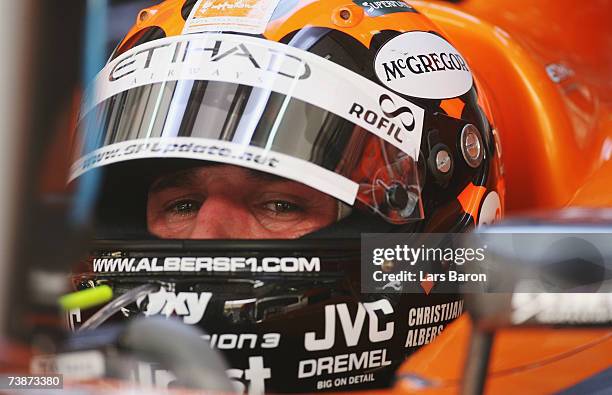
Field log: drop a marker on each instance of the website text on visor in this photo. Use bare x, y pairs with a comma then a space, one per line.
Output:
258, 104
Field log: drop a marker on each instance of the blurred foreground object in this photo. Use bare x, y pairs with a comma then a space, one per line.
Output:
39, 76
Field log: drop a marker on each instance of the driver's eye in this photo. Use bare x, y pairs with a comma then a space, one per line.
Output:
183, 208
282, 207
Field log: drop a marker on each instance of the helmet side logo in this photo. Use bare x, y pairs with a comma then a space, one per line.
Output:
378, 8
491, 210
390, 119
424, 65
244, 16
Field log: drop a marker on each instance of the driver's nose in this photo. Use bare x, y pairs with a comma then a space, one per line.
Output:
221, 218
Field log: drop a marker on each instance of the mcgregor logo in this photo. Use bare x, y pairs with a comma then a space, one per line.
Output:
424, 65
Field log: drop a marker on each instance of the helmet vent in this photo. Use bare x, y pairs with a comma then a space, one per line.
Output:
147, 34
187, 7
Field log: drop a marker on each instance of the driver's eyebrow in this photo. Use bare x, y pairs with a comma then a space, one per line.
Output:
254, 175
188, 178
182, 179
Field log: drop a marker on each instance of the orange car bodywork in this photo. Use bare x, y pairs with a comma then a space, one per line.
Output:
526, 361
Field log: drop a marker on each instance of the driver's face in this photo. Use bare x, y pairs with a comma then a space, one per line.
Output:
230, 202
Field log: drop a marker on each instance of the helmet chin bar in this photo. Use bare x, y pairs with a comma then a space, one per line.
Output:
275, 321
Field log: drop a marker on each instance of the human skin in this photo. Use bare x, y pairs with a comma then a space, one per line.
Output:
230, 202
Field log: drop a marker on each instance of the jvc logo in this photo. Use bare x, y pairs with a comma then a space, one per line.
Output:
352, 328
188, 305
383, 121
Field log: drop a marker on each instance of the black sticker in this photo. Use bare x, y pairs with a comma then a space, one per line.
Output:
378, 8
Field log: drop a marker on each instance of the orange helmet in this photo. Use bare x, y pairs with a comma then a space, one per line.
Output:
384, 114
363, 101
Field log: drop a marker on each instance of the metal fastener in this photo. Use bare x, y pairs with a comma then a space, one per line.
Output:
471, 145
444, 161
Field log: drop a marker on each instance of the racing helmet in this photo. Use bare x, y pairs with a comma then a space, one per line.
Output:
364, 102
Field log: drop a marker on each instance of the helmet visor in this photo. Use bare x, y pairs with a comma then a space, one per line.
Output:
341, 147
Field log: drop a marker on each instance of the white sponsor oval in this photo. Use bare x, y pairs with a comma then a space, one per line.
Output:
421, 64
491, 210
